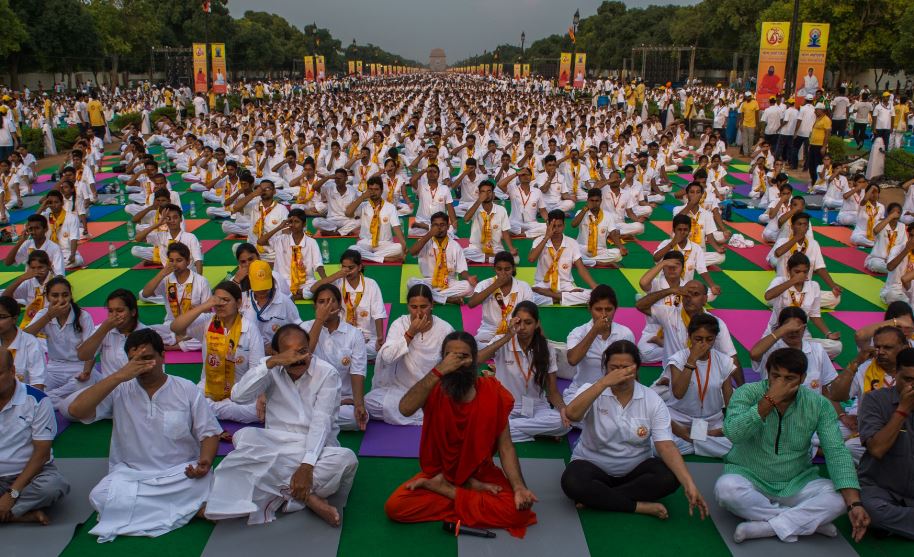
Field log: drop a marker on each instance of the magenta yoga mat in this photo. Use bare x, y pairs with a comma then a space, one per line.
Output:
746, 325
226, 447
858, 319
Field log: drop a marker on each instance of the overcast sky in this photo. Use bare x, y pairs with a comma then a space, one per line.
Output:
412, 28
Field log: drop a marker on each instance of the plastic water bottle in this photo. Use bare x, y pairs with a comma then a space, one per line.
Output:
112, 254
192, 210
325, 251
131, 231
14, 235
825, 214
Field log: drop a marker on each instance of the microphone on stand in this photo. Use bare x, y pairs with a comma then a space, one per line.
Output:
459, 530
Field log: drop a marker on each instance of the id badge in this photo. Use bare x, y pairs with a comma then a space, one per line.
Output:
526, 406
699, 430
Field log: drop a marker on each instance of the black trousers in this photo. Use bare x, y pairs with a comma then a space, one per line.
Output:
839, 127
815, 159
859, 133
586, 483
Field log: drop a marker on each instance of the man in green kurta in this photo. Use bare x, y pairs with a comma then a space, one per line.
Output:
769, 479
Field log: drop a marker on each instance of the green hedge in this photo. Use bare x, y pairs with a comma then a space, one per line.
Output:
899, 165
837, 148
121, 121
33, 139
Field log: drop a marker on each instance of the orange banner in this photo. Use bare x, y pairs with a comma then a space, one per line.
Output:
321, 73
309, 68
580, 61
564, 69
351, 65
358, 67
219, 72
772, 60
201, 83
811, 65
526, 70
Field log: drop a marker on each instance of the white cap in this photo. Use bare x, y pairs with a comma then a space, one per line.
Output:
808, 97
747, 94
819, 106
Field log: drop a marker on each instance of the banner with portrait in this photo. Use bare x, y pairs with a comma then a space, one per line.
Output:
358, 67
201, 83
526, 70
320, 71
219, 72
580, 63
772, 60
564, 69
811, 64
309, 68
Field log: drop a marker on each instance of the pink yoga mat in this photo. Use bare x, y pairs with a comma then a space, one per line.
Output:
757, 254
98, 314
649, 245
472, 318
206, 245
852, 257
43, 178
858, 319
93, 251
631, 318
744, 176
385, 440
179, 357
751, 230
104, 175
746, 325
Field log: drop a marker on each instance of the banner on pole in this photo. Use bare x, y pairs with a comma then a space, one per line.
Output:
526, 70
219, 72
772, 60
351, 65
358, 67
811, 64
321, 74
564, 69
517, 71
309, 68
580, 61
201, 84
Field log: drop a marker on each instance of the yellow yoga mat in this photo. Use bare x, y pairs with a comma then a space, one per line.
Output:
753, 282
865, 286
87, 281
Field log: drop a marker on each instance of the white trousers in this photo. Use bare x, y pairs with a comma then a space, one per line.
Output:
383, 403
846, 218
828, 300
226, 409
798, 515
218, 212
211, 196
631, 228
714, 258
545, 421
474, 253
576, 297
342, 225
457, 288
142, 252
604, 255
565, 205
529, 229
715, 447
377, 254
137, 503
876, 264
894, 293
253, 479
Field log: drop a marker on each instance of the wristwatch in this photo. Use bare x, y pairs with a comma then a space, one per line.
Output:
854, 504
14, 494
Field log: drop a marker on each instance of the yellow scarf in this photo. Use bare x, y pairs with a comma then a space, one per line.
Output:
574, 178
157, 252
352, 306
893, 237
696, 234
363, 177
180, 305
506, 310
592, 232
391, 189
56, 223
871, 211
298, 272
375, 226
875, 378
33, 308
760, 186
486, 236
257, 157
552, 273
800, 246
796, 297
219, 364
440, 275
305, 191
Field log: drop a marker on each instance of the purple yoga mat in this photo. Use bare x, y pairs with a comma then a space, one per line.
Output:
398, 441
62, 423
573, 436
743, 189
231, 427
751, 376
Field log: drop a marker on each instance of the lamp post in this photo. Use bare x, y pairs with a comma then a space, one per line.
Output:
523, 37
574, 52
791, 77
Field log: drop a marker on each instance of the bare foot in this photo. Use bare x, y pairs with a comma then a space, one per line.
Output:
477, 485
225, 436
38, 516
437, 485
323, 509
652, 509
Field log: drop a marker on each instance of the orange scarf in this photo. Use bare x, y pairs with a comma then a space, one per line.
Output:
352, 306
56, 223
796, 297
375, 226
219, 365
180, 305
871, 211
440, 275
298, 272
305, 191
552, 273
486, 236
33, 308
592, 232
696, 232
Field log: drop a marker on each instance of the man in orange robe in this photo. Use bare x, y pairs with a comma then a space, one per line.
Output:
465, 422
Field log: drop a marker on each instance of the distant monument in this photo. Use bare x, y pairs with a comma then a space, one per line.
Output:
437, 60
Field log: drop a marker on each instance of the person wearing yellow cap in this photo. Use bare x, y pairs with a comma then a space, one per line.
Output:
265, 305
231, 346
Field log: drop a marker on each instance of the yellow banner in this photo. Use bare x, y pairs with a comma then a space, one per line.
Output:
526, 70
219, 73
309, 68
201, 83
772, 60
321, 73
580, 61
517, 71
358, 67
351, 65
811, 66
564, 69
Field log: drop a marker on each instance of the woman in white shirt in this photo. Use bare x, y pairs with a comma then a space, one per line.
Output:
28, 357
870, 212
412, 348
696, 387
108, 338
525, 364
799, 290
231, 345
612, 467
363, 305
66, 326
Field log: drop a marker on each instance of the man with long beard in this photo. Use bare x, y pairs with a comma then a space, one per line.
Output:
465, 422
